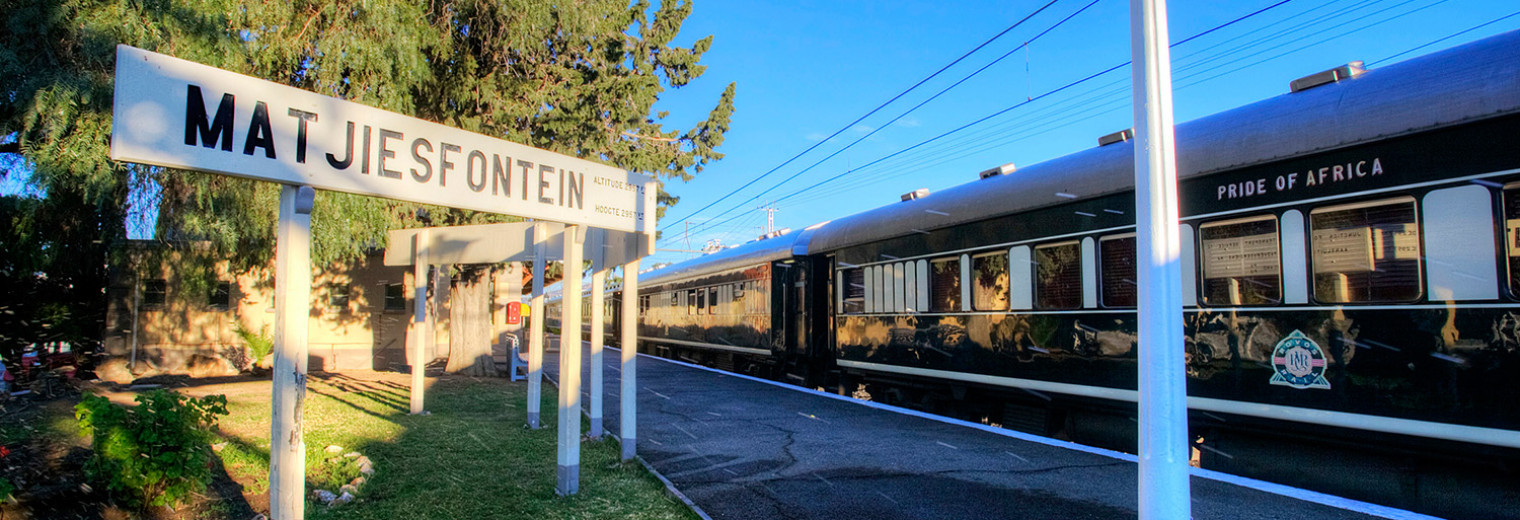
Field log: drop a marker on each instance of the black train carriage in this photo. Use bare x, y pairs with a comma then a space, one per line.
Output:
717, 310
1351, 267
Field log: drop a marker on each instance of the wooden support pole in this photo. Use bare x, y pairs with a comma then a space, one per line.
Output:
628, 417
292, 302
536, 325
422, 323
569, 470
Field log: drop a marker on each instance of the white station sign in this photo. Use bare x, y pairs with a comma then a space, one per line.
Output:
175, 113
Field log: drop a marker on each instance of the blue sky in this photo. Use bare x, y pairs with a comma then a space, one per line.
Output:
806, 69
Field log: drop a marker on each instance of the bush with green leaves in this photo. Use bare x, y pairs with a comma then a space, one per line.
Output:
155, 453
6, 490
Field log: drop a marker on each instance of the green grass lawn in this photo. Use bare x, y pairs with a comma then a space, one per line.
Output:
471, 458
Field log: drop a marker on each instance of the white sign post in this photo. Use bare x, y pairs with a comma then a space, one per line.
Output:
536, 322
598, 337
569, 471
627, 418
180, 114
1163, 446
423, 335
292, 288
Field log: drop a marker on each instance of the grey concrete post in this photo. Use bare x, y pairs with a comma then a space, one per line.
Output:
569, 474
292, 302
536, 326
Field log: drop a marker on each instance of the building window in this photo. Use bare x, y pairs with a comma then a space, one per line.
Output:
945, 285
989, 278
337, 297
155, 293
395, 297
1058, 276
220, 296
1366, 252
1116, 266
1241, 261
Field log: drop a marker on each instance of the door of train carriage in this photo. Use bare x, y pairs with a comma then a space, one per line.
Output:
802, 286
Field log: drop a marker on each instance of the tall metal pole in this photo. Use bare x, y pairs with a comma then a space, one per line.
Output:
628, 416
1164, 492
598, 333
536, 326
422, 327
292, 304
569, 481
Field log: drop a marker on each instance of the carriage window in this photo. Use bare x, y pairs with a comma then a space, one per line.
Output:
691, 301
1116, 269
989, 277
712, 300
1512, 236
1241, 261
1058, 276
854, 291
945, 285
1366, 252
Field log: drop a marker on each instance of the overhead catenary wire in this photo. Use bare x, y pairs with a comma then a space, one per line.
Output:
1013, 107
878, 107
1118, 102
916, 107
1094, 110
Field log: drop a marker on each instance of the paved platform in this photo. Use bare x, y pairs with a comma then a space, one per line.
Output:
743, 448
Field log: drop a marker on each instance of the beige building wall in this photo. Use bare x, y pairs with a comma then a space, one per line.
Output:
186, 333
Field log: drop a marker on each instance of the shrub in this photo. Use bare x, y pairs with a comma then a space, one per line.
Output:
6, 490
259, 343
155, 453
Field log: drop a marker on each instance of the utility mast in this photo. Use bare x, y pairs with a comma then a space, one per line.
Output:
770, 217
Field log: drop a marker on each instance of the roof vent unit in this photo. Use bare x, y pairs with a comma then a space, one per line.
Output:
1116, 137
775, 233
915, 194
1001, 170
1347, 71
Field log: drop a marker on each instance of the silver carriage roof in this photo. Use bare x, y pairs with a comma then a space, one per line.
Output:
745, 255
1467, 83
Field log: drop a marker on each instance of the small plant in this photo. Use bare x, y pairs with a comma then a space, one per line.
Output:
156, 453
6, 490
259, 343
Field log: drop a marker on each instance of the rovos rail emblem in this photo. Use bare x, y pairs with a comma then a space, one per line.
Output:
1299, 363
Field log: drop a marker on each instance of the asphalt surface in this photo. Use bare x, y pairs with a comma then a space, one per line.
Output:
745, 449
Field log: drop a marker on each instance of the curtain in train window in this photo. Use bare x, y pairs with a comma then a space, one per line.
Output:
1242, 263
1512, 235
1058, 276
854, 291
1116, 268
989, 279
945, 285
1366, 252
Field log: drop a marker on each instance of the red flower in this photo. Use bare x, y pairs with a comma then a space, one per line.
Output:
4, 451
